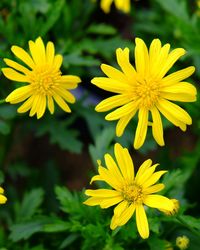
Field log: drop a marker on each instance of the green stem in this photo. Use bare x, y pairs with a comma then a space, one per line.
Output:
2, 101
187, 226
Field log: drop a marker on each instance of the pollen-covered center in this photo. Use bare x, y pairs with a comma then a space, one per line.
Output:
147, 92
133, 194
44, 79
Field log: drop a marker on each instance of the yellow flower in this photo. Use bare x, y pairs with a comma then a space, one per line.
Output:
182, 242
3, 199
123, 5
43, 75
131, 192
146, 89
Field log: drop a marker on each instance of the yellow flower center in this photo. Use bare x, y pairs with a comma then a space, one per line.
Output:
147, 92
133, 194
44, 79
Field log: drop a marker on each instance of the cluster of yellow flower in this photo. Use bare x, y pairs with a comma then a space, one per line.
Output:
144, 89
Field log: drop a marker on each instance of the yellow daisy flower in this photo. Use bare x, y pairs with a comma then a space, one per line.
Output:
3, 199
131, 192
43, 75
146, 89
123, 5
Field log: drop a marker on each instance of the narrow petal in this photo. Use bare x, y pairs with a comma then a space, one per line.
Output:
50, 53
154, 189
157, 127
69, 81
141, 57
3, 199
172, 58
109, 84
154, 51
35, 105
23, 56
125, 162
154, 178
142, 222
16, 66
183, 92
143, 168
113, 168
141, 130
19, 94
26, 105
96, 178
146, 175
122, 111
123, 122
41, 53
14, 75
126, 215
58, 59
111, 201
159, 201
50, 104
124, 63
177, 76
59, 100
42, 107
111, 102
65, 94
113, 73
105, 193
105, 5
120, 208
175, 111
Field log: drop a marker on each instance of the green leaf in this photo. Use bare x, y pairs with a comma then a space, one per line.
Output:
155, 243
52, 16
68, 241
30, 204
56, 226
101, 29
191, 221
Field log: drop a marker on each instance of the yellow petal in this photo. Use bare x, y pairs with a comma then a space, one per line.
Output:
123, 122
16, 66
109, 84
113, 73
122, 111
93, 201
154, 51
141, 130
143, 168
26, 105
126, 215
105, 5
65, 94
159, 201
41, 107
41, 53
157, 127
141, 57
172, 58
23, 56
124, 63
19, 95
177, 76
59, 100
154, 178
50, 53
3, 199
183, 91
111, 102
175, 111
146, 175
120, 208
35, 103
69, 81
58, 59
125, 162
1, 190
154, 189
14, 75
96, 178
50, 104
112, 167
110, 201
104, 193
142, 223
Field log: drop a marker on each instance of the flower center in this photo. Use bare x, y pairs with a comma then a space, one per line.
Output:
147, 92
44, 79
133, 194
